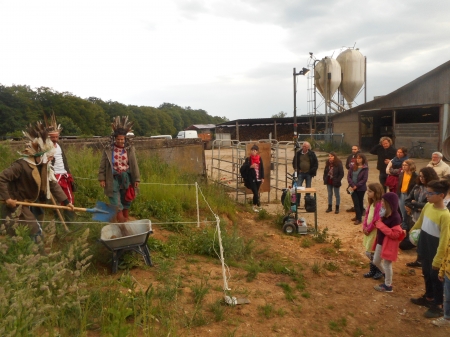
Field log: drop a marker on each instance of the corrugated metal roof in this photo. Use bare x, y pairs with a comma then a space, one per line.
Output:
201, 126
270, 121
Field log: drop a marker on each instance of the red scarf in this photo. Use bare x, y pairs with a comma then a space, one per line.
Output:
254, 160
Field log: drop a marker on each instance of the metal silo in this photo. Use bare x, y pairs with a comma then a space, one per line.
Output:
353, 67
327, 87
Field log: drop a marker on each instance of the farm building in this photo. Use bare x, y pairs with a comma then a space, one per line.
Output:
418, 111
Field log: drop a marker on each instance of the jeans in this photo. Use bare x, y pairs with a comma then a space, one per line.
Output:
301, 178
332, 189
446, 297
401, 205
382, 177
385, 268
358, 203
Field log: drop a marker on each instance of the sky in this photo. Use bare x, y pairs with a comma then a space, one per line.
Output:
232, 58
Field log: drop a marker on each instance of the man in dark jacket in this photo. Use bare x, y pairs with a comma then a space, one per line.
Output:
385, 152
351, 159
305, 163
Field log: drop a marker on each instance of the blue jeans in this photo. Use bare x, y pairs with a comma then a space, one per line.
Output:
446, 297
304, 177
331, 189
301, 178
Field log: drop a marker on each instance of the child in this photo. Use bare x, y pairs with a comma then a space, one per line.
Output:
252, 171
444, 276
389, 234
434, 222
374, 193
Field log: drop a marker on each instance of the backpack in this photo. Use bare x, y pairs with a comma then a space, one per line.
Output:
310, 203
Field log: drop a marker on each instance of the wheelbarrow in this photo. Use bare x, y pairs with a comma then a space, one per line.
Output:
122, 237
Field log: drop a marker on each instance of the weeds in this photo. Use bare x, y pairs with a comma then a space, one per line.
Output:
339, 325
263, 215
316, 269
321, 236
288, 291
306, 243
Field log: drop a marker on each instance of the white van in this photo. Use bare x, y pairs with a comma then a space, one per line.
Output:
162, 136
187, 134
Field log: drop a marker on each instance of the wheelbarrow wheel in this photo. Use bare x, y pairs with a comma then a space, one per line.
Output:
289, 227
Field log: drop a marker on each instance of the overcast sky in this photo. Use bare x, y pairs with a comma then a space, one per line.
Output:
231, 58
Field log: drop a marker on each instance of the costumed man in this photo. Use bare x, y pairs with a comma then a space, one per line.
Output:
29, 179
60, 165
118, 173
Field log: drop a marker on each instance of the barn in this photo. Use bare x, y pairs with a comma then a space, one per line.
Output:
418, 111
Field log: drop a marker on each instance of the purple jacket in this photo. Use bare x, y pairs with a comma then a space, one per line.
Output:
362, 178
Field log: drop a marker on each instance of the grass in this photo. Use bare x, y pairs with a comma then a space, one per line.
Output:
62, 286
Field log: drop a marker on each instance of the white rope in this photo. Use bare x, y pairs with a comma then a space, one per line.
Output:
141, 183
225, 268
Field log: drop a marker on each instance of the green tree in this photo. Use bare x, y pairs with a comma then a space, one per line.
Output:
281, 114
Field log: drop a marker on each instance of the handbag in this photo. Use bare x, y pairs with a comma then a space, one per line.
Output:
391, 182
130, 194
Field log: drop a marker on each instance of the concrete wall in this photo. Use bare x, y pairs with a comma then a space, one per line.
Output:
349, 126
408, 134
185, 153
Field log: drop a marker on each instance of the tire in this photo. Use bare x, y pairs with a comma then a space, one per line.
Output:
289, 227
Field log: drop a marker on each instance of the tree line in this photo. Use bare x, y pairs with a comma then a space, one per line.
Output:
21, 105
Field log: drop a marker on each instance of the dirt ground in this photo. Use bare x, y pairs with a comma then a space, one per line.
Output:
340, 303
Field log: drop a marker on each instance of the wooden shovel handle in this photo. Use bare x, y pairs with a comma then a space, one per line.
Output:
61, 218
49, 206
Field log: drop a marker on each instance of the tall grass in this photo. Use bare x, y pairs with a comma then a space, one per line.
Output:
52, 289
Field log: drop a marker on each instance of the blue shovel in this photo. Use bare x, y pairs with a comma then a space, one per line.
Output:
101, 212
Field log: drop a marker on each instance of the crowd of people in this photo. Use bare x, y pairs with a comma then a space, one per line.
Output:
401, 202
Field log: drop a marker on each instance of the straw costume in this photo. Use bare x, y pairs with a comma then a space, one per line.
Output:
29, 179
119, 173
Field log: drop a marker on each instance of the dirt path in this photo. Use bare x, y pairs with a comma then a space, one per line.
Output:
338, 303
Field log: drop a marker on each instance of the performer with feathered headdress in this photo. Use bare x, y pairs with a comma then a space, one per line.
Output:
29, 179
60, 164
119, 172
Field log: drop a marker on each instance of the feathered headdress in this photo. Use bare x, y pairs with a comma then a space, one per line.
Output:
121, 126
37, 141
52, 126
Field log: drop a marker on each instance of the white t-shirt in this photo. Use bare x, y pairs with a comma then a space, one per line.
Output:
59, 164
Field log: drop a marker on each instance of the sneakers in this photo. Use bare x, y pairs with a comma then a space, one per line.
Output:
378, 275
255, 208
422, 301
383, 288
415, 264
441, 322
434, 312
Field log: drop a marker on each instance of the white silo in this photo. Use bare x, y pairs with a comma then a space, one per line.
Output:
352, 64
327, 87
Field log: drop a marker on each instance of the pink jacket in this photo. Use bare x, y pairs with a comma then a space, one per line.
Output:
394, 235
376, 216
